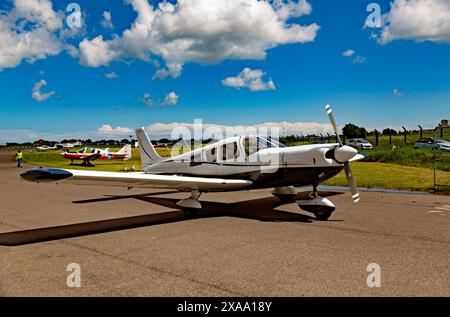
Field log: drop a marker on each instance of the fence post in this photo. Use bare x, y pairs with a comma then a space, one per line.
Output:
404, 135
376, 137
390, 136
329, 138
434, 160
421, 131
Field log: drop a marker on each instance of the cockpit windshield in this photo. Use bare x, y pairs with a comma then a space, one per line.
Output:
253, 144
275, 142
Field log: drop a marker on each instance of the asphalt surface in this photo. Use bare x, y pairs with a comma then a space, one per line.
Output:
244, 243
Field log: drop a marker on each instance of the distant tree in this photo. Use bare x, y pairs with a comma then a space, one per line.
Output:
124, 141
164, 140
288, 139
353, 131
386, 131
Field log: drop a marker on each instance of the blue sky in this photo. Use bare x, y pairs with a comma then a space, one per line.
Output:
306, 76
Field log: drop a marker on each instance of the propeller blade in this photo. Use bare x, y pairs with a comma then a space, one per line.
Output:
333, 122
351, 182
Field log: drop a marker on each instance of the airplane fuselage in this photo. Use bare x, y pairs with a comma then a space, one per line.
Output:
271, 166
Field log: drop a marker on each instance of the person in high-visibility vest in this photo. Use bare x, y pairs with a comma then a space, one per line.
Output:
19, 157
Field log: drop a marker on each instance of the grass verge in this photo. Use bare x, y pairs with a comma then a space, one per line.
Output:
391, 176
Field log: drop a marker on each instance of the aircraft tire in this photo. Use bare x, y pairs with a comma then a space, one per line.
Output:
323, 215
288, 198
191, 212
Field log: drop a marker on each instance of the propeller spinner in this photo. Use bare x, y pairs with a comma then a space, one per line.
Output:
343, 154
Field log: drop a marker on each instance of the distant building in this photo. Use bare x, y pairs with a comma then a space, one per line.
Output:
445, 124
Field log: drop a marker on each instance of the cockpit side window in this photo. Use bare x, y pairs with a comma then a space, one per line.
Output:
229, 151
211, 155
251, 145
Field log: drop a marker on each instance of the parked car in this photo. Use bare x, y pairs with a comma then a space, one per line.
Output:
432, 143
360, 144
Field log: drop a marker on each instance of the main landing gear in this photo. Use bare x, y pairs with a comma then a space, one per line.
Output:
285, 194
191, 205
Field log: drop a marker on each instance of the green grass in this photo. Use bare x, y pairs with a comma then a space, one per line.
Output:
391, 176
401, 154
54, 159
408, 156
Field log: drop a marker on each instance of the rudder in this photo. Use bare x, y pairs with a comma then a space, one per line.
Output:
146, 149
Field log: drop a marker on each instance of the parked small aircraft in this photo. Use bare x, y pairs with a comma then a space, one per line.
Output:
237, 163
69, 145
46, 148
91, 154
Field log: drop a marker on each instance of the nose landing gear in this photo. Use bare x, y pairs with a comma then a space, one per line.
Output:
321, 207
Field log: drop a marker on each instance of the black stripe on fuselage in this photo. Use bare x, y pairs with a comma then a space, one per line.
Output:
283, 176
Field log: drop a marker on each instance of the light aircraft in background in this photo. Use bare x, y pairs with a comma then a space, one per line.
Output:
46, 148
87, 155
232, 164
69, 145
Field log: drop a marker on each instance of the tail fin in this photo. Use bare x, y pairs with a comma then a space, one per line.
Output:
126, 150
146, 149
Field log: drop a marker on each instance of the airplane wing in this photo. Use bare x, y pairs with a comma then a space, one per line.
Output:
137, 179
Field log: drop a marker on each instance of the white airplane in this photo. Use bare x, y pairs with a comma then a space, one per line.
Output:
46, 148
237, 163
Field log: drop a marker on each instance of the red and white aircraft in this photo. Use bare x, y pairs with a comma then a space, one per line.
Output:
237, 163
91, 154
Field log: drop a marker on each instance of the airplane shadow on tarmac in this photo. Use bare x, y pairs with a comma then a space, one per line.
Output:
262, 209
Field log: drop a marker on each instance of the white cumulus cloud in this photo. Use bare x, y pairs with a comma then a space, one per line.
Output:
171, 99
39, 11
356, 59
37, 95
108, 129
202, 31
96, 52
349, 53
111, 75
147, 100
397, 93
107, 20
287, 128
27, 32
419, 20
251, 79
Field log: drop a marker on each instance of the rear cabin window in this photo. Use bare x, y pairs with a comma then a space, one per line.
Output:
229, 151
211, 155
